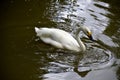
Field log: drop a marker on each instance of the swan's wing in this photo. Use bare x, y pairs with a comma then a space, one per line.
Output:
58, 38
65, 39
48, 35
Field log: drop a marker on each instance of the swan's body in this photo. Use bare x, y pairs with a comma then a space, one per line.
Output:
61, 39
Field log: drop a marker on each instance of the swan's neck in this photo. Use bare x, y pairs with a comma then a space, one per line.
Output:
81, 44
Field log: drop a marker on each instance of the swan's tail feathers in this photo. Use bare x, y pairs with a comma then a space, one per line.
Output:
36, 29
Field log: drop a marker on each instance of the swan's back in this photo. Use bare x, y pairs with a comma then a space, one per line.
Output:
57, 38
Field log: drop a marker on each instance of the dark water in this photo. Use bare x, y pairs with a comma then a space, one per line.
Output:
24, 57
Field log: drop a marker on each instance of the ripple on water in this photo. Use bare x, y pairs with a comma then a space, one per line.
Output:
96, 58
66, 61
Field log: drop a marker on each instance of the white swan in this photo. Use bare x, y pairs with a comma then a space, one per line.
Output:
62, 39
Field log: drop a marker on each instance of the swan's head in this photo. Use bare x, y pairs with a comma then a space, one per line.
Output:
87, 31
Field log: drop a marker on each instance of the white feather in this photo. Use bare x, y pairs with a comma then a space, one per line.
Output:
60, 39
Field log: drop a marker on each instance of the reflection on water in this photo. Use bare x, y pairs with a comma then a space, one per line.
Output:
93, 12
62, 62
106, 74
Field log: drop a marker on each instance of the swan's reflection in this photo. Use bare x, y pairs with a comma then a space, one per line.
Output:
109, 74
70, 70
66, 61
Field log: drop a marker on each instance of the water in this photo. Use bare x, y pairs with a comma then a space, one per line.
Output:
25, 57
